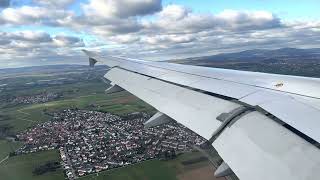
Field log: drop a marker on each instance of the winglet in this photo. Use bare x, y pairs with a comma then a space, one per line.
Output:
90, 54
92, 62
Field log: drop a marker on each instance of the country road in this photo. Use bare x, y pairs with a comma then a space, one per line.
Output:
4, 159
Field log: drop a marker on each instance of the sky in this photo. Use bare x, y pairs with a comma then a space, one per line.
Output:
44, 32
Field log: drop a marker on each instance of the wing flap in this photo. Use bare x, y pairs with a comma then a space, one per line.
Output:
301, 116
256, 147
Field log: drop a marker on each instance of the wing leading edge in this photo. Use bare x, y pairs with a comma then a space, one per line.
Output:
252, 142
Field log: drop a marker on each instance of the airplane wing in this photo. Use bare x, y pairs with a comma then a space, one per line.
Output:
264, 126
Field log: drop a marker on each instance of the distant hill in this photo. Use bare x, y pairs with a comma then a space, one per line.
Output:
48, 69
262, 55
42, 68
291, 61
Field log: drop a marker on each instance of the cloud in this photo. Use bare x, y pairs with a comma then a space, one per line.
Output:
28, 15
28, 36
172, 31
175, 39
174, 12
248, 19
28, 47
4, 42
114, 27
121, 8
67, 41
175, 19
33, 41
112, 17
127, 38
54, 3
4, 3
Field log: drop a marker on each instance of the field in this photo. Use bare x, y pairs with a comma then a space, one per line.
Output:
90, 96
159, 170
150, 170
21, 167
6, 147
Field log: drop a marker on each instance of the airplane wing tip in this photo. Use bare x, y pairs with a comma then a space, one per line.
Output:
92, 60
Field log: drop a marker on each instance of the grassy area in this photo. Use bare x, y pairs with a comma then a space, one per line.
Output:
83, 94
150, 170
179, 168
21, 167
23, 117
6, 147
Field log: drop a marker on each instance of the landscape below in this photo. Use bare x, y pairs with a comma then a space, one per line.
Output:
39, 98
34, 101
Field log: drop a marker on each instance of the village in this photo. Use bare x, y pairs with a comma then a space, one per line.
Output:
91, 141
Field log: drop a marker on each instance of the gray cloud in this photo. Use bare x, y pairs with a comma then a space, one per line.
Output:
122, 8
27, 15
29, 47
178, 19
54, 3
103, 26
68, 41
28, 36
4, 42
107, 17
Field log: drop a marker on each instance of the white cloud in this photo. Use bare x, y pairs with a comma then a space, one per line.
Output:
161, 39
177, 19
121, 8
37, 40
27, 15
174, 12
248, 19
111, 17
27, 47
126, 38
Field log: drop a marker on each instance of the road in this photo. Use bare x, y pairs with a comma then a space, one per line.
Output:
4, 159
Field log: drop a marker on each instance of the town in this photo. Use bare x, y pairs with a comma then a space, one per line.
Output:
91, 141
34, 99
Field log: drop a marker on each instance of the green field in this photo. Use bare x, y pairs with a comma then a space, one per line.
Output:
150, 170
24, 116
6, 147
21, 167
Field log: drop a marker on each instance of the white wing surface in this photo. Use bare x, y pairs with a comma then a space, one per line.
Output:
264, 126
